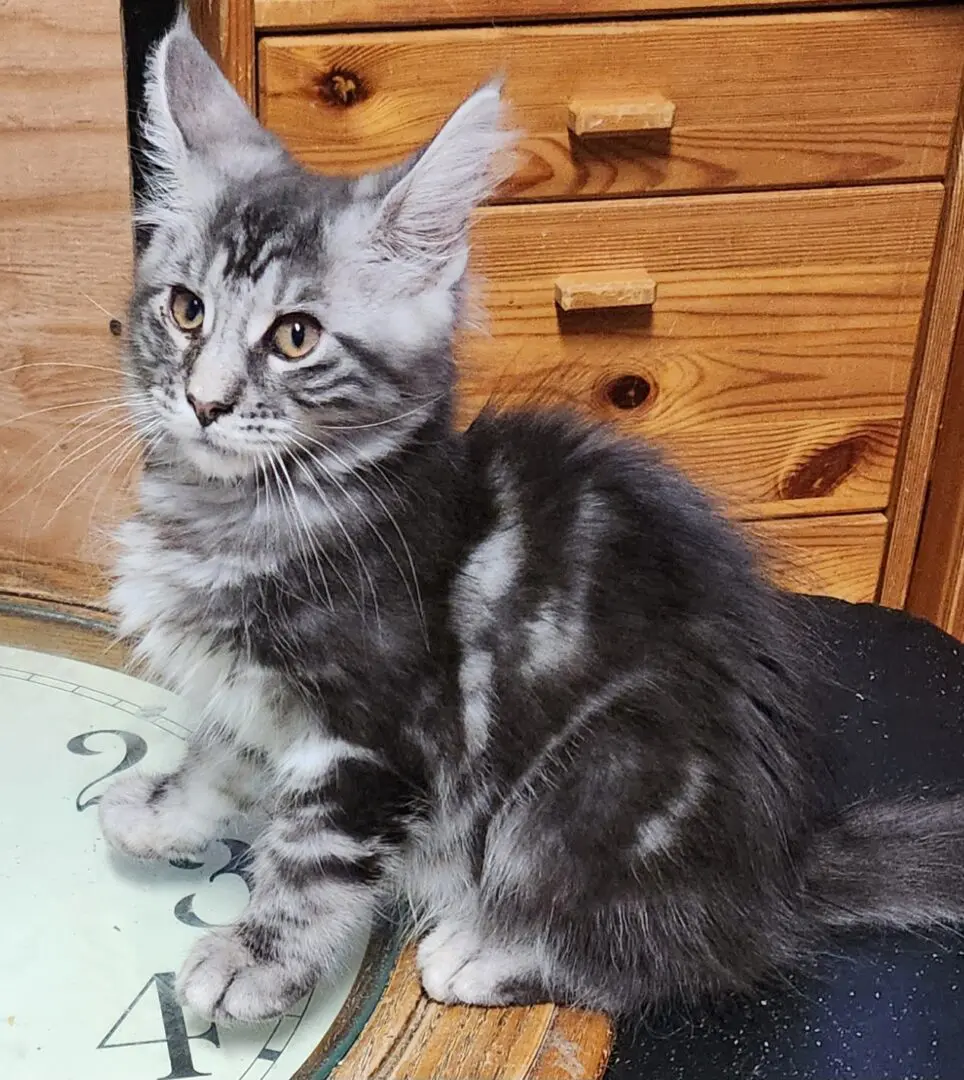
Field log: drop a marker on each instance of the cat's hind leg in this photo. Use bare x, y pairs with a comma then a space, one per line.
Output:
175, 815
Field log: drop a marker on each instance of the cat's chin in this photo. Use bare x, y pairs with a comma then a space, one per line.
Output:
217, 464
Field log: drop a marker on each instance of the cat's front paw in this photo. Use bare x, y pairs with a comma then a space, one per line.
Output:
222, 980
138, 819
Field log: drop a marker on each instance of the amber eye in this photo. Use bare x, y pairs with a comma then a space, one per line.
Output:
294, 336
187, 310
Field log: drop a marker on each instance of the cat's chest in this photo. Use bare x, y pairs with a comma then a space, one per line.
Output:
184, 615
158, 583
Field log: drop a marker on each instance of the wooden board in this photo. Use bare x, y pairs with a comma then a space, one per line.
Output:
944, 308
791, 466
302, 14
835, 556
937, 584
226, 27
65, 252
777, 353
412, 1038
61, 632
811, 98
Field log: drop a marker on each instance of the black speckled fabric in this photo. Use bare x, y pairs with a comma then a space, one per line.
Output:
882, 1007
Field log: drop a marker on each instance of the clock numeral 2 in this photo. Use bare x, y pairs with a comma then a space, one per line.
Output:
176, 1038
135, 750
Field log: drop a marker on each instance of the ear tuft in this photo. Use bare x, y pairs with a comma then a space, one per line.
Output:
424, 218
196, 126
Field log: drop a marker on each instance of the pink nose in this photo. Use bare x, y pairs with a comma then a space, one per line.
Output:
208, 411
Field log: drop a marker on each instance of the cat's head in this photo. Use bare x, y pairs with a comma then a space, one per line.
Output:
276, 311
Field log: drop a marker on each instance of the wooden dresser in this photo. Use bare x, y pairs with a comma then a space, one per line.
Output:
754, 220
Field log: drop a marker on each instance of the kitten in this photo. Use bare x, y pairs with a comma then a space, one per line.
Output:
523, 676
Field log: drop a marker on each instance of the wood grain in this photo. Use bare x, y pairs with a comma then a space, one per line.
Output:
928, 386
226, 27
62, 633
412, 1038
937, 582
773, 366
302, 14
812, 98
834, 556
65, 251
576, 1046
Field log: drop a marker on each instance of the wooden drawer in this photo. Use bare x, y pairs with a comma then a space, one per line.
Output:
777, 353
815, 98
299, 14
838, 556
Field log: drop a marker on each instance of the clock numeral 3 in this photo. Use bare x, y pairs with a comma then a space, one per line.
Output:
176, 1038
238, 864
135, 750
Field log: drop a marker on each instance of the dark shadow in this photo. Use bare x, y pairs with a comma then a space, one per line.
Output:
143, 22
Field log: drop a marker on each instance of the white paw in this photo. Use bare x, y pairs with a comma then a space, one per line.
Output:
221, 980
458, 968
440, 956
486, 979
132, 825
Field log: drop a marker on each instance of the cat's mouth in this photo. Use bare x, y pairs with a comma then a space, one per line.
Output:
221, 464
216, 454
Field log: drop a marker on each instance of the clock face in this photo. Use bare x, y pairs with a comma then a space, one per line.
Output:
90, 942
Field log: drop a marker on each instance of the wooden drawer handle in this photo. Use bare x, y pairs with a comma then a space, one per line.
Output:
605, 289
653, 113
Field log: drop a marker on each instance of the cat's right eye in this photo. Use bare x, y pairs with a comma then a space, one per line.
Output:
187, 309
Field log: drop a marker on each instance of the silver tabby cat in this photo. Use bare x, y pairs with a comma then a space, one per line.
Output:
522, 676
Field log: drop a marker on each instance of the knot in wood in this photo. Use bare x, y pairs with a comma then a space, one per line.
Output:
824, 470
628, 391
342, 88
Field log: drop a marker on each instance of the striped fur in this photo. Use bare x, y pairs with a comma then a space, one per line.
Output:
523, 675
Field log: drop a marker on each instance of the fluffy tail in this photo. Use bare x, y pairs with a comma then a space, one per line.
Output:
896, 864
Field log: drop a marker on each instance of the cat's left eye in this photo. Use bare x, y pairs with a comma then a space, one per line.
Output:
187, 309
294, 336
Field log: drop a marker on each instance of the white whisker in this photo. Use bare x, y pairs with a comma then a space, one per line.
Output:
88, 446
100, 307
412, 587
31, 364
382, 423
128, 441
87, 422
308, 543
122, 452
362, 566
119, 401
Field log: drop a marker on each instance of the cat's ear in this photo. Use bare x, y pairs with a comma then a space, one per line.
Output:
195, 118
424, 217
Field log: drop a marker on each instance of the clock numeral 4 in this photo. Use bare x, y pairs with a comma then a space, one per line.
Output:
176, 1038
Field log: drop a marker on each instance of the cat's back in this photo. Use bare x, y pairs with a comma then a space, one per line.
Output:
581, 502
596, 568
